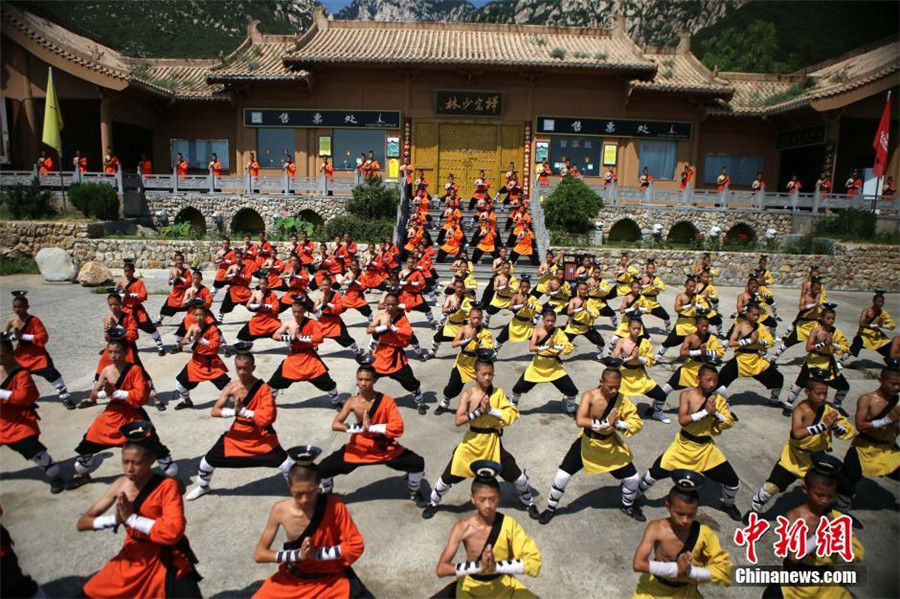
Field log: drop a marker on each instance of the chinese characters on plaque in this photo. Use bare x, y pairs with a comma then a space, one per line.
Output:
613, 127
340, 119
468, 103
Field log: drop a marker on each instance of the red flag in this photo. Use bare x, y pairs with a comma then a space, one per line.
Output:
881, 140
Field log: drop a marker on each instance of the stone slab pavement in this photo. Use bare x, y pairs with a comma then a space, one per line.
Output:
587, 549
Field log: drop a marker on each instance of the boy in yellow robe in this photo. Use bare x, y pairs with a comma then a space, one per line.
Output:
633, 305
625, 274
708, 297
472, 339
636, 355
603, 413
820, 485
455, 312
824, 346
651, 287
703, 414
526, 309
686, 306
808, 314
750, 342
874, 452
873, 321
582, 314
548, 343
699, 348
487, 411
497, 548
813, 423
686, 553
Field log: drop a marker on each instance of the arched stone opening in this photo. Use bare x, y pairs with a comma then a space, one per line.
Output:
625, 230
740, 234
683, 232
247, 220
192, 216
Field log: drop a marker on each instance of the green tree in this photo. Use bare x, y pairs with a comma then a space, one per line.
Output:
572, 207
753, 49
373, 200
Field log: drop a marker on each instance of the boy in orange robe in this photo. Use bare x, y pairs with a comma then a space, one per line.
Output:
393, 334
251, 442
322, 540
412, 285
134, 294
156, 559
264, 304
126, 387
180, 281
31, 352
239, 276
373, 438
205, 363
302, 336
328, 308
19, 429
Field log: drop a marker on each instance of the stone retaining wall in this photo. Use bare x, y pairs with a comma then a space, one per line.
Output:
24, 237
228, 206
699, 220
853, 267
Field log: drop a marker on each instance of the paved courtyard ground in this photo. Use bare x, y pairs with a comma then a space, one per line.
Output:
587, 549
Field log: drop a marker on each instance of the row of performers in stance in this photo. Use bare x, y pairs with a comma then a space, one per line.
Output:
675, 555
606, 415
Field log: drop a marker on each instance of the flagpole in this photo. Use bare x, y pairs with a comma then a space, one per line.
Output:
62, 183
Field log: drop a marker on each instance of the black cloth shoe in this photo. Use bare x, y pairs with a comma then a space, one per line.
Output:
422, 408
87, 403
441, 410
429, 511
546, 516
185, 404
634, 512
69, 404
77, 481
733, 512
57, 485
533, 512
418, 497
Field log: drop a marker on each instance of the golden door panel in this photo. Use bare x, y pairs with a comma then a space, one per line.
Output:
425, 149
464, 150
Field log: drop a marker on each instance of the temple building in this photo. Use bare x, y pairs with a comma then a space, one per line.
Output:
461, 97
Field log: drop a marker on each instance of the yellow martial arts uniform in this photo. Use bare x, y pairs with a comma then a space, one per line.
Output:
877, 447
651, 291
546, 366
766, 278
706, 552
521, 327
796, 456
694, 448
458, 318
749, 357
639, 303
635, 379
597, 295
686, 323
823, 358
502, 296
482, 440
812, 561
559, 299
875, 339
708, 297
806, 321
624, 279
545, 279
689, 371
582, 321
465, 360
510, 543
604, 450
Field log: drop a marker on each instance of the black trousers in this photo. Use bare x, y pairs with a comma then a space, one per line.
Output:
838, 382
723, 473
335, 465
405, 377
573, 462
509, 469
185, 381
533, 258
563, 384
592, 335
782, 478
852, 468
28, 447
49, 373
216, 458
771, 377
323, 382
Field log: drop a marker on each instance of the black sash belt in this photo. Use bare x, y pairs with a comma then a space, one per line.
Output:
486, 431
595, 435
701, 440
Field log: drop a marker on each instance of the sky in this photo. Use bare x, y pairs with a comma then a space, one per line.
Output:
335, 5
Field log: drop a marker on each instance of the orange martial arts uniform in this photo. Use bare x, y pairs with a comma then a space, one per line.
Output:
330, 526
265, 320
158, 564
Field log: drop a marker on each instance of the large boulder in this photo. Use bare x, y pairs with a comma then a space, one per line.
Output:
55, 264
94, 274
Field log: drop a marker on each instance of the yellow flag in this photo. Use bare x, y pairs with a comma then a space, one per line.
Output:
53, 121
